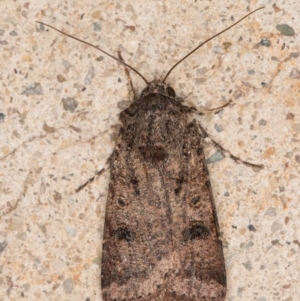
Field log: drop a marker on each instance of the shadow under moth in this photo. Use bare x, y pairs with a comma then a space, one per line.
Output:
161, 235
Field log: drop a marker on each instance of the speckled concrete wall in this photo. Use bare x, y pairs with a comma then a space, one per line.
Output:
59, 107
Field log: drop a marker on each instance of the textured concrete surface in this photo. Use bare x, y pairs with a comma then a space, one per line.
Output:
59, 107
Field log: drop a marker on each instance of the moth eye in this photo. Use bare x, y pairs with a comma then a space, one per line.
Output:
195, 231
121, 202
123, 233
195, 200
171, 92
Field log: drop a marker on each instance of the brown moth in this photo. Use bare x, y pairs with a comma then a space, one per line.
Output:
161, 238
161, 233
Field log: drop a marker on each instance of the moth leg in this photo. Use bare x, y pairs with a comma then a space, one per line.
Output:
97, 174
132, 90
217, 109
90, 180
223, 150
203, 111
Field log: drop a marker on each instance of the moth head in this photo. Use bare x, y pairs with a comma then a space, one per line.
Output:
158, 87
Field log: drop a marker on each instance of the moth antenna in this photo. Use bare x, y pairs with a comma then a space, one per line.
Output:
87, 43
210, 40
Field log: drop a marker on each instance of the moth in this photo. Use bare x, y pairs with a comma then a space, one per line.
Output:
161, 235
